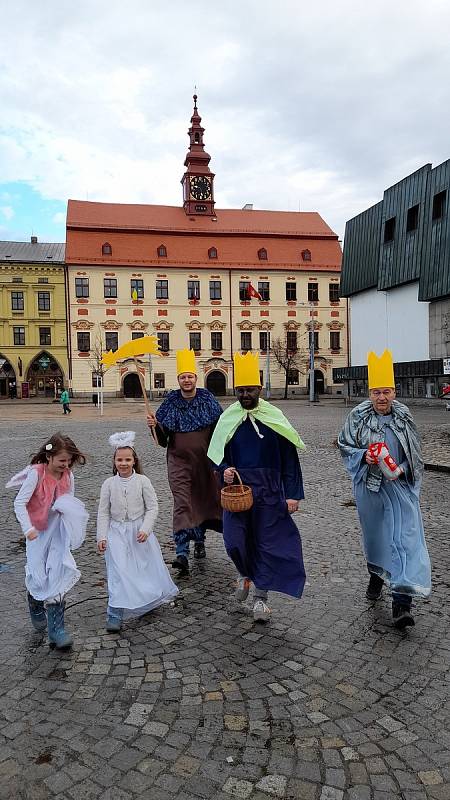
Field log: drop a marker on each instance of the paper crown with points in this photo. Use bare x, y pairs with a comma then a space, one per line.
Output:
186, 362
246, 369
380, 370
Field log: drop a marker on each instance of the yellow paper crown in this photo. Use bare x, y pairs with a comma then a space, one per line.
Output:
381, 370
246, 369
186, 362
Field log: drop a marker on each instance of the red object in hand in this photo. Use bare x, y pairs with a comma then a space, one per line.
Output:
386, 463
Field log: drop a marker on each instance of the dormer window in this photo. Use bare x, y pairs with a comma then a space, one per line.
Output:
262, 254
162, 251
306, 255
106, 249
212, 252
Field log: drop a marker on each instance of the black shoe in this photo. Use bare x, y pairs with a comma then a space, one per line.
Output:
375, 587
199, 550
401, 616
182, 564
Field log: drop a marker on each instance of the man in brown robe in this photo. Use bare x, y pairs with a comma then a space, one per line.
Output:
184, 423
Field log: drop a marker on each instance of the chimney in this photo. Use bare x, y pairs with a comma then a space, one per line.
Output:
34, 240
247, 207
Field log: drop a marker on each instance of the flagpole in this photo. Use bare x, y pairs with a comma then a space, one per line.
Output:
268, 367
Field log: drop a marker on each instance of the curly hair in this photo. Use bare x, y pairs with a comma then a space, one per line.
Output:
136, 466
58, 443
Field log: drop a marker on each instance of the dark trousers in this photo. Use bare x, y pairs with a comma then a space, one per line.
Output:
66, 408
402, 599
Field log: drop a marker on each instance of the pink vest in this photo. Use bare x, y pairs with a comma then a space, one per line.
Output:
45, 494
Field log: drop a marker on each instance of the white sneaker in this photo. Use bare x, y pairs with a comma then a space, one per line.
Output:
242, 588
261, 612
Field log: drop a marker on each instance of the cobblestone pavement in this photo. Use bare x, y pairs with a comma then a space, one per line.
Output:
195, 701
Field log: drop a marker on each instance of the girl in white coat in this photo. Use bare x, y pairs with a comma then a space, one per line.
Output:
138, 579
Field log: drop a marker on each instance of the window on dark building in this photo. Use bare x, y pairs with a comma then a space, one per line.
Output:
162, 251
291, 341
246, 341
111, 340
16, 301
313, 292
195, 341
137, 285
215, 290
439, 205
81, 287
44, 301
19, 335
193, 290
262, 254
137, 334
264, 289
162, 290
263, 340
412, 219
163, 341
45, 336
216, 340
106, 249
333, 292
335, 340
160, 380
212, 252
243, 290
83, 341
110, 287
291, 291
293, 377
306, 255
389, 230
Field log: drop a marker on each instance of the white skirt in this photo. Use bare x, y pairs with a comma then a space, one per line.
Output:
138, 579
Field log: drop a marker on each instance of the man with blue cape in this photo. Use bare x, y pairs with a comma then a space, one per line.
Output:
254, 438
388, 507
184, 423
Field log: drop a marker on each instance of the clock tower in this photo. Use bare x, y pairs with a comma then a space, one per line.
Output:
198, 180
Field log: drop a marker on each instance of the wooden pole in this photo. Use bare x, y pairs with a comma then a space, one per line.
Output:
144, 394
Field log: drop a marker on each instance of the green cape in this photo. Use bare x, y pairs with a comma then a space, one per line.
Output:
234, 415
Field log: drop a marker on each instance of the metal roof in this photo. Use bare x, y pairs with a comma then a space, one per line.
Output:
34, 252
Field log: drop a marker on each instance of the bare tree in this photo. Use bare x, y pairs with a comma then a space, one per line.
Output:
95, 360
287, 359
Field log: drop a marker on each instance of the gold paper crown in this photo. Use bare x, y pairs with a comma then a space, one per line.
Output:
246, 369
186, 362
381, 370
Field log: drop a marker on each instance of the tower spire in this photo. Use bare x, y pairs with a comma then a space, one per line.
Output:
198, 180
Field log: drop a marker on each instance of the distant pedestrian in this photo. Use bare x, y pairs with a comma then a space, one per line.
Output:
381, 450
138, 579
65, 400
53, 522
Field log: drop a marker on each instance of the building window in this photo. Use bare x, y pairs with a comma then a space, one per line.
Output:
215, 290
111, 341
293, 377
195, 341
83, 341
44, 301
316, 339
106, 249
291, 341
389, 230
216, 340
137, 334
412, 219
45, 336
291, 291
137, 285
243, 290
110, 287
163, 341
17, 279
162, 290
82, 287
264, 290
96, 380
262, 254
335, 340
333, 292
212, 252
439, 203
246, 341
16, 301
193, 290
19, 335
160, 380
162, 251
313, 292
42, 280
306, 255
263, 340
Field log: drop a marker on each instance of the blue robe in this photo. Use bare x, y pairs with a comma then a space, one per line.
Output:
264, 542
389, 511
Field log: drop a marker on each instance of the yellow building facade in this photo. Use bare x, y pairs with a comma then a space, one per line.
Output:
33, 319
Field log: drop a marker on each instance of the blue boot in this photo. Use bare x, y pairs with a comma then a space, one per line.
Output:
114, 619
37, 613
57, 636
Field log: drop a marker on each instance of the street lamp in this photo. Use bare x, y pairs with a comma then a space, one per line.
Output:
310, 351
268, 366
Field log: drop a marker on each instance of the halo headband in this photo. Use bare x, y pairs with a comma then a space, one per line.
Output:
122, 439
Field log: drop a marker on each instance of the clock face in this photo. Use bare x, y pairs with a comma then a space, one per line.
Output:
200, 187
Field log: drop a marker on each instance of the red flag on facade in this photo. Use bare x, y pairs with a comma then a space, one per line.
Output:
251, 292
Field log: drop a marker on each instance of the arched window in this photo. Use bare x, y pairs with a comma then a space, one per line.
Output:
106, 249
306, 255
162, 251
212, 252
262, 254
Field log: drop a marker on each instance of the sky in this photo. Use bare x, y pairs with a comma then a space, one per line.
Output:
306, 106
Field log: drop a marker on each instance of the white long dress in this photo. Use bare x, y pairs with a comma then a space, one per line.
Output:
50, 570
138, 579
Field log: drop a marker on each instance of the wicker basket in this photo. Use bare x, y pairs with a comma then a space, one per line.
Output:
236, 497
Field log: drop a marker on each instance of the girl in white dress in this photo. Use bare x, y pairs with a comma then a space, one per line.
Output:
138, 579
53, 522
